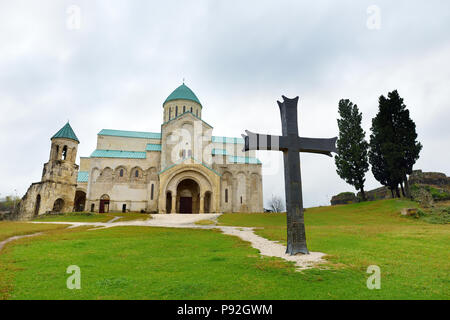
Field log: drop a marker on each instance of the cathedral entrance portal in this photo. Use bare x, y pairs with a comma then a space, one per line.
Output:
188, 196
104, 204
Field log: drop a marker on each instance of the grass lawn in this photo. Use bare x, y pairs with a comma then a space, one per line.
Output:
413, 255
162, 263
93, 217
9, 229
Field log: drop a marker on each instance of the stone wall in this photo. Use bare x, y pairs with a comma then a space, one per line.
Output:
429, 178
344, 198
425, 187
377, 194
129, 190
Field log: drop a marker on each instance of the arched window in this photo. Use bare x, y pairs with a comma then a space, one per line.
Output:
184, 109
170, 113
196, 112
191, 109
136, 173
226, 195
152, 191
64, 153
176, 111
121, 172
241, 199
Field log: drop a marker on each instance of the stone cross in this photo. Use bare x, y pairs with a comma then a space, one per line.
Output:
291, 144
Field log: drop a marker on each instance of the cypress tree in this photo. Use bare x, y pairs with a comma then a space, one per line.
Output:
351, 161
406, 138
393, 145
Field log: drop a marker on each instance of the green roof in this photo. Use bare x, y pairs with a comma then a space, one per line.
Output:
83, 176
118, 154
249, 160
153, 147
227, 140
182, 93
130, 134
67, 133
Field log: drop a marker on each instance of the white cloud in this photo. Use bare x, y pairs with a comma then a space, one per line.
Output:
239, 58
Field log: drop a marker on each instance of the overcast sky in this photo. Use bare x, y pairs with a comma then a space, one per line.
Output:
116, 66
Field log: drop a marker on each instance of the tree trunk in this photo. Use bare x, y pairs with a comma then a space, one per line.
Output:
392, 192
397, 192
403, 190
407, 190
363, 194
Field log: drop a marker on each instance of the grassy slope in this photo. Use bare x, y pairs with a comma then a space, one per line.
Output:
10, 229
161, 263
414, 256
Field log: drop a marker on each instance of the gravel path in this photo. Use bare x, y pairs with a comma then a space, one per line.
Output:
266, 247
2, 244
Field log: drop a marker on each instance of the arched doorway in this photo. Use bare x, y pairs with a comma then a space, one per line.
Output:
80, 200
58, 206
169, 202
104, 204
207, 202
37, 206
188, 196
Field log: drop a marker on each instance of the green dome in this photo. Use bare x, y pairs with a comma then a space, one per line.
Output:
182, 93
67, 133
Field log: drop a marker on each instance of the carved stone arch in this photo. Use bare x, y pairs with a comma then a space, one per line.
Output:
106, 175
137, 174
121, 174
201, 179
152, 174
138, 169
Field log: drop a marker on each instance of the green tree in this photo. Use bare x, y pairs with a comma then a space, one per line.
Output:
394, 148
352, 160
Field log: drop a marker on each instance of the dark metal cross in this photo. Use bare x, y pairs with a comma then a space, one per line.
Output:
291, 144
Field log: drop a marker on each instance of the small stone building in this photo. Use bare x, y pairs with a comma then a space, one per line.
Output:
57, 190
181, 168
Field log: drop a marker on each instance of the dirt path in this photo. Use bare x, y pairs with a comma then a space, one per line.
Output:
265, 246
2, 244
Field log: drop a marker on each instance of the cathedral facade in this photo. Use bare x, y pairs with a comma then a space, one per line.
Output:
181, 168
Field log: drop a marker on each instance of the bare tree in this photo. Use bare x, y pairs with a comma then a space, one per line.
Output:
276, 204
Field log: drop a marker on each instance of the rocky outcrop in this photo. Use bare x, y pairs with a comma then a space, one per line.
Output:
425, 187
410, 212
344, 198
377, 194
429, 178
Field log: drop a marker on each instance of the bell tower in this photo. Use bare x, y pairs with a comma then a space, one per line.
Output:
56, 190
61, 166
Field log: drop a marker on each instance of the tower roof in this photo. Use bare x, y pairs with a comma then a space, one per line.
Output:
183, 93
67, 133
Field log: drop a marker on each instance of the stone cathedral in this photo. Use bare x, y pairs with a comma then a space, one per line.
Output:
182, 168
